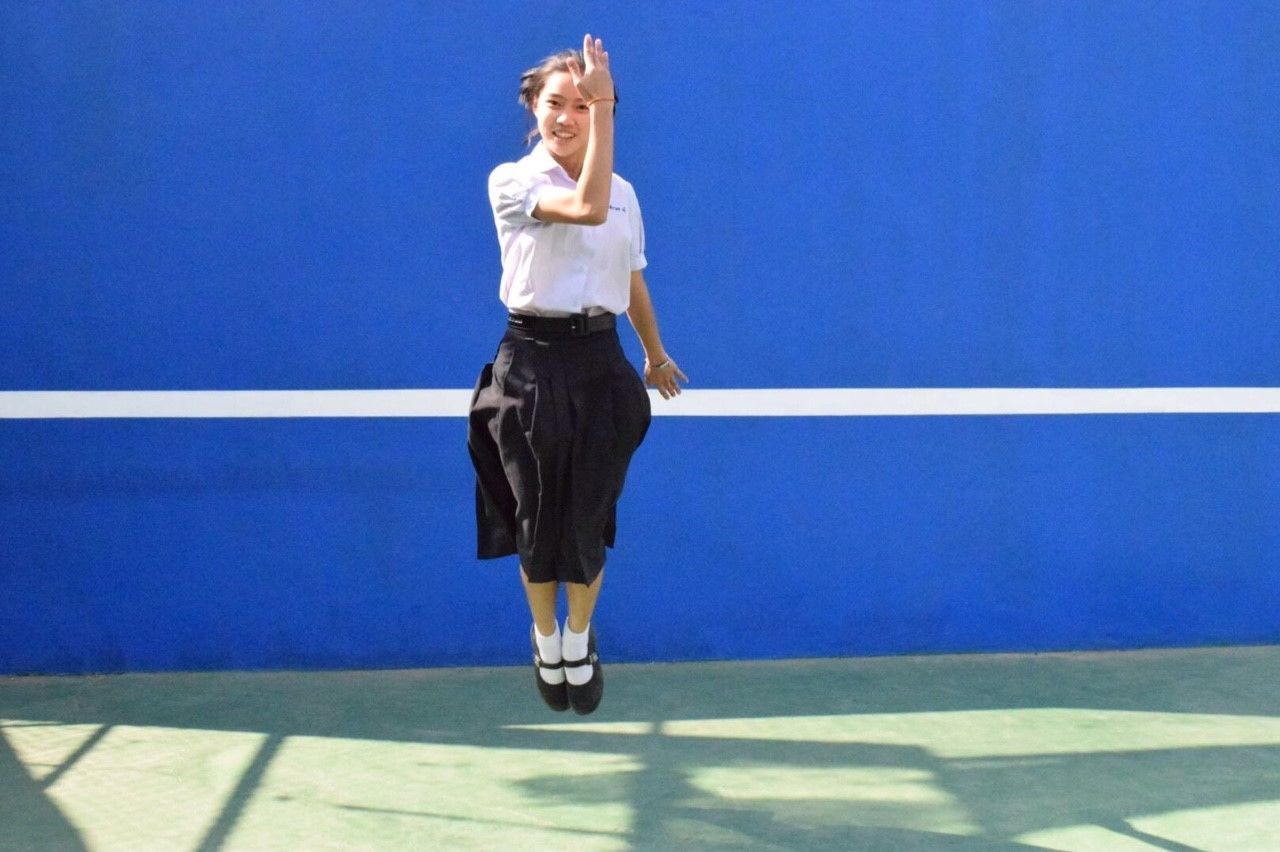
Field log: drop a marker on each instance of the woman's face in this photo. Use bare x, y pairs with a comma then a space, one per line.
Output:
563, 117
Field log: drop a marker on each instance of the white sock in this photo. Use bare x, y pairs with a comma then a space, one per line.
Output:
574, 647
549, 650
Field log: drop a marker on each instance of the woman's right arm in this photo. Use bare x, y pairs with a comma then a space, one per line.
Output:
588, 203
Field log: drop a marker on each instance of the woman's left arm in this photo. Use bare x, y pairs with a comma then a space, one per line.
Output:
659, 368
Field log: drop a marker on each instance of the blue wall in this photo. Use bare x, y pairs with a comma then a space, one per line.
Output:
291, 195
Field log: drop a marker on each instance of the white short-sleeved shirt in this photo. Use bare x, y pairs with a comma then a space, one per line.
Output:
552, 268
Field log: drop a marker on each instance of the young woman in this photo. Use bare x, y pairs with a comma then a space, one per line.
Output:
557, 415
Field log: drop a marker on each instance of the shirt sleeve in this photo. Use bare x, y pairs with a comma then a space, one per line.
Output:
638, 260
513, 194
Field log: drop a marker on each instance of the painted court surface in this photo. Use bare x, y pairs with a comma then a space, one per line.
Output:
1172, 750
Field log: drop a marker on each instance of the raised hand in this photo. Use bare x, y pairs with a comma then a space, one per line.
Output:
594, 82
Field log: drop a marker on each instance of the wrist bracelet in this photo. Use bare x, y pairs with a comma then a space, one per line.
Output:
664, 365
601, 100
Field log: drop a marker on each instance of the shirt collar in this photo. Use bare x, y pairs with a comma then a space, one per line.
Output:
540, 160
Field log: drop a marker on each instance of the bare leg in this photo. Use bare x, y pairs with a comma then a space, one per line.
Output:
582, 602
542, 603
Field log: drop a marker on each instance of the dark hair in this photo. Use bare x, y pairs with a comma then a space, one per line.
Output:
532, 81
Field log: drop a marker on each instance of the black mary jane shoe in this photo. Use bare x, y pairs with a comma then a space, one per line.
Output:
554, 694
585, 699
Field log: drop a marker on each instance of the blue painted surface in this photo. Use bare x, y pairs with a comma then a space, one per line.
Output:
216, 544
913, 194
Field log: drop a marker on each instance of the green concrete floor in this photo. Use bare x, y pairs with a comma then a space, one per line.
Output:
1172, 749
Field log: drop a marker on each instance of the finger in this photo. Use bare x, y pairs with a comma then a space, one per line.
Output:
681, 374
575, 71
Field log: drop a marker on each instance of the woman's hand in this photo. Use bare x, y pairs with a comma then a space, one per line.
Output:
594, 82
665, 376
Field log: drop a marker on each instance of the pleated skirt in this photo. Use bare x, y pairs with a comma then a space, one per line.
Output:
553, 425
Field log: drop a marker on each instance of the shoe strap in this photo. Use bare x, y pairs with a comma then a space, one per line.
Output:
537, 661
587, 660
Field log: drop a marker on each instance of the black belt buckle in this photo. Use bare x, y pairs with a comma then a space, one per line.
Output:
578, 325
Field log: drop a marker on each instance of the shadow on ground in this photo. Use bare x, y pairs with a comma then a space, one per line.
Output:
1157, 749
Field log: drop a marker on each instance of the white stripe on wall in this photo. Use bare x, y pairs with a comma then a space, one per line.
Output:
784, 402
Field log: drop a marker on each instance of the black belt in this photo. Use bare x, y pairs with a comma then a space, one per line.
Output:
574, 325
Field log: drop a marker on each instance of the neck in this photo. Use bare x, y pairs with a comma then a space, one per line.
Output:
572, 167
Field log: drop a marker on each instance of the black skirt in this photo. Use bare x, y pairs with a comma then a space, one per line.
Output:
553, 425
